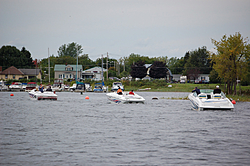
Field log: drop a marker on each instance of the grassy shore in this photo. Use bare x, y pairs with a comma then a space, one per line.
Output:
188, 87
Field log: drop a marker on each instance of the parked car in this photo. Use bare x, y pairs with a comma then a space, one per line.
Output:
205, 82
197, 81
182, 81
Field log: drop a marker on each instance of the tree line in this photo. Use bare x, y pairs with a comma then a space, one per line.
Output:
229, 64
11, 56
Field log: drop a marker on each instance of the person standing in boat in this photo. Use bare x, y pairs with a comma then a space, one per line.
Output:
41, 88
196, 90
217, 90
119, 91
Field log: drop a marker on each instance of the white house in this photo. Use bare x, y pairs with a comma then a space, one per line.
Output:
93, 73
204, 77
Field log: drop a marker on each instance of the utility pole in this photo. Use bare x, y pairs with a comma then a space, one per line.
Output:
107, 66
118, 68
76, 61
49, 65
102, 69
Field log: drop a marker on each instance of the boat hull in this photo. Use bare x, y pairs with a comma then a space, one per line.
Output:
37, 95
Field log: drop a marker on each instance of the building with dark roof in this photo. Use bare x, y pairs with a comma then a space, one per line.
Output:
17, 74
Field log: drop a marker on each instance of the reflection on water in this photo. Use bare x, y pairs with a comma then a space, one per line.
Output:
76, 131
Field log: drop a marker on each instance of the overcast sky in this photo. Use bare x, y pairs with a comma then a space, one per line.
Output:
120, 27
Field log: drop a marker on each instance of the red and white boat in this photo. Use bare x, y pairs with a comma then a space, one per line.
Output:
46, 95
15, 86
30, 86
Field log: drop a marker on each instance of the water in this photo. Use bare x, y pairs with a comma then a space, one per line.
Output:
76, 131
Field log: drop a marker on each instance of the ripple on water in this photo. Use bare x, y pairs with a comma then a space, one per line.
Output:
75, 131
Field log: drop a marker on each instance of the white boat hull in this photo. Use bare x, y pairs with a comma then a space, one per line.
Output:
125, 98
210, 103
47, 95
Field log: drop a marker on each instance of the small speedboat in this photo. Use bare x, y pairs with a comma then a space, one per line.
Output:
207, 100
125, 97
46, 95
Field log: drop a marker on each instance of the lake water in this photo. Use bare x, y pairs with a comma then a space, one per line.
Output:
76, 131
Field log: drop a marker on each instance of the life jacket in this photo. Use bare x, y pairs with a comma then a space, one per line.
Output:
119, 91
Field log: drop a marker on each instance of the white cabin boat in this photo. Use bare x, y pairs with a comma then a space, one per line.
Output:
16, 86
116, 86
46, 95
207, 100
125, 98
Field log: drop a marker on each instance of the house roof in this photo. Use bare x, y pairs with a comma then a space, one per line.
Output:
62, 67
95, 69
30, 71
12, 71
148, 65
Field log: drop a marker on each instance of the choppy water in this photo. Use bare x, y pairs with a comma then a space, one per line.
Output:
75, 131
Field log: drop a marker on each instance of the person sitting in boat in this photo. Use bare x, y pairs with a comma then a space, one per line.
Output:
217, 89
119, 91
41, 88
49, 89
196, 90
131, 92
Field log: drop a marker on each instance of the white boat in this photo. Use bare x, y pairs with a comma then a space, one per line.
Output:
3, 87
116, 86
100, 87
88, 87
46, 95
56, 88
206, 100
125, 98
15, 86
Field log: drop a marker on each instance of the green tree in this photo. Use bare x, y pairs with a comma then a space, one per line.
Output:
214, 77
231, 60
176, 65
112, 72
27, 60
72, 49
197, 60
158, 70
85, 61
138, 70
11, 56
124, 74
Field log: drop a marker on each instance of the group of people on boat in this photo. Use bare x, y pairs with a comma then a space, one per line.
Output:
216, 90
119, 92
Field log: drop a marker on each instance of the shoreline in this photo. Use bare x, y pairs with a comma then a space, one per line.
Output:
237, 98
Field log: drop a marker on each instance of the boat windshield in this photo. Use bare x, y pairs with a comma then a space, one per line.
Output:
116, 83
206, 90
223, 95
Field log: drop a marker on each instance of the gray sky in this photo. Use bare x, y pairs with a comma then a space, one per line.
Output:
120, 27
